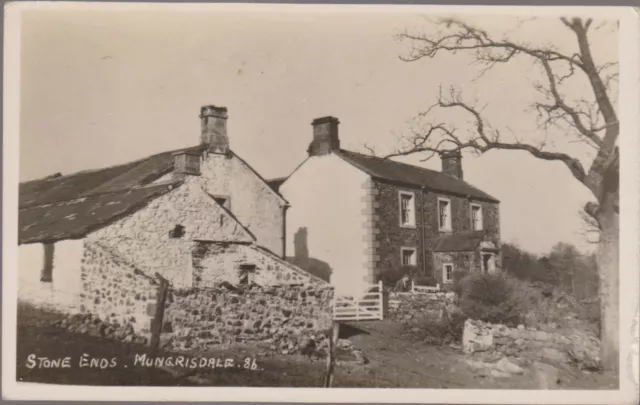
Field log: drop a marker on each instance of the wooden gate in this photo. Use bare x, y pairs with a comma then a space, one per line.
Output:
366, 308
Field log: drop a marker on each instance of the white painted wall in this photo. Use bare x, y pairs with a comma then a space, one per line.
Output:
326, 197
255, 205
63, 292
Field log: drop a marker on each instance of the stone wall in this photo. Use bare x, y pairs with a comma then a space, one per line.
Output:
567, 346
251, 200
144, 238
284, 317
217, 262
392, 236
116, 291
408, 307
462, 261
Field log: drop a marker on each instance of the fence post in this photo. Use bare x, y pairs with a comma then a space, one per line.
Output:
156, 322
381, 297
333, 339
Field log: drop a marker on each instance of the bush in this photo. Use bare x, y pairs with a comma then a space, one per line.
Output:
444, 331
491, 298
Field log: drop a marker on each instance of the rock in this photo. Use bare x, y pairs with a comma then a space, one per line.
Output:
506, 366
546, 375
520, 327
360, 358
541, 336
476, 337
499, 374
554, 355
519, 342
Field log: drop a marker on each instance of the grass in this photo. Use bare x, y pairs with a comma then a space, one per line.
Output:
395, 360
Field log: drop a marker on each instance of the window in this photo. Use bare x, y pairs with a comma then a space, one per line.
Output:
246, 273
447, 272
407, 209
476, 217
444, 214
408, 256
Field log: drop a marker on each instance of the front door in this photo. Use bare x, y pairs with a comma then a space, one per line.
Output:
488, 262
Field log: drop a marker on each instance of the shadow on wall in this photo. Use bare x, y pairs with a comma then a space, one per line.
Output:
301, 257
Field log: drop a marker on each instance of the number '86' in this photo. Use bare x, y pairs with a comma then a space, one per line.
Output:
250, 363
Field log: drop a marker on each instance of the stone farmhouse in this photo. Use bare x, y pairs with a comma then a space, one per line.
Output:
354, 216
93, 241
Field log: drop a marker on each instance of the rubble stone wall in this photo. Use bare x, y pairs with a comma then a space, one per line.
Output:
282, 316
116, 291
566, 346
409, 306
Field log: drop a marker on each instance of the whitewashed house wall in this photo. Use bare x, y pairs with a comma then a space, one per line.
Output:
328, 198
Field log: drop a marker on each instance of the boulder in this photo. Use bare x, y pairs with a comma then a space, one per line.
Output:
476, 337
506, 366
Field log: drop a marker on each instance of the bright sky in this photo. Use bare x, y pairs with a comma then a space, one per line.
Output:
107, 87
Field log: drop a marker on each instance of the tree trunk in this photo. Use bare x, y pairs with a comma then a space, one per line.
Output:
609, 272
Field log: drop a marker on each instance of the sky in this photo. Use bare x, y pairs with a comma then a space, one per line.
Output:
99, 88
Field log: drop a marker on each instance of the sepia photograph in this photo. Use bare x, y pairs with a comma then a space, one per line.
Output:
320, 197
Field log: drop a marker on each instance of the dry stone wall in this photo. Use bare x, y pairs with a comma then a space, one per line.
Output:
287, 318
408, 307
573, 346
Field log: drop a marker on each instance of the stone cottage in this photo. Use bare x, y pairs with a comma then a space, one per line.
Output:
95, 240
354, 216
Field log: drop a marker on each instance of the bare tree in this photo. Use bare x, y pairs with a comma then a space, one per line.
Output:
592, 121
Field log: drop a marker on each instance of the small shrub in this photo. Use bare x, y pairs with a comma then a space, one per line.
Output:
491, 298
444, 331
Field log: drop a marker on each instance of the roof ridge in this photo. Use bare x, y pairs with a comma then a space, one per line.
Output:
345, 154
87, 171
402, 163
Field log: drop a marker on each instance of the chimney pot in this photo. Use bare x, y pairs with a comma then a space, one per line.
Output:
325, 136
214, 129
452, 163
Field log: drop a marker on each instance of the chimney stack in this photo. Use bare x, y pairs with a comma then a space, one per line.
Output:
214, 129
186, 162
452, 163
325, 136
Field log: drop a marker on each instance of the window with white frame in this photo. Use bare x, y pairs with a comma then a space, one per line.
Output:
447, 273
407, 209
444, 214
408, 256
476, 217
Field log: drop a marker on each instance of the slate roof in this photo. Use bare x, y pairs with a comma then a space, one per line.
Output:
386, 169
460, 242
76, 218
65, 207
73, 186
